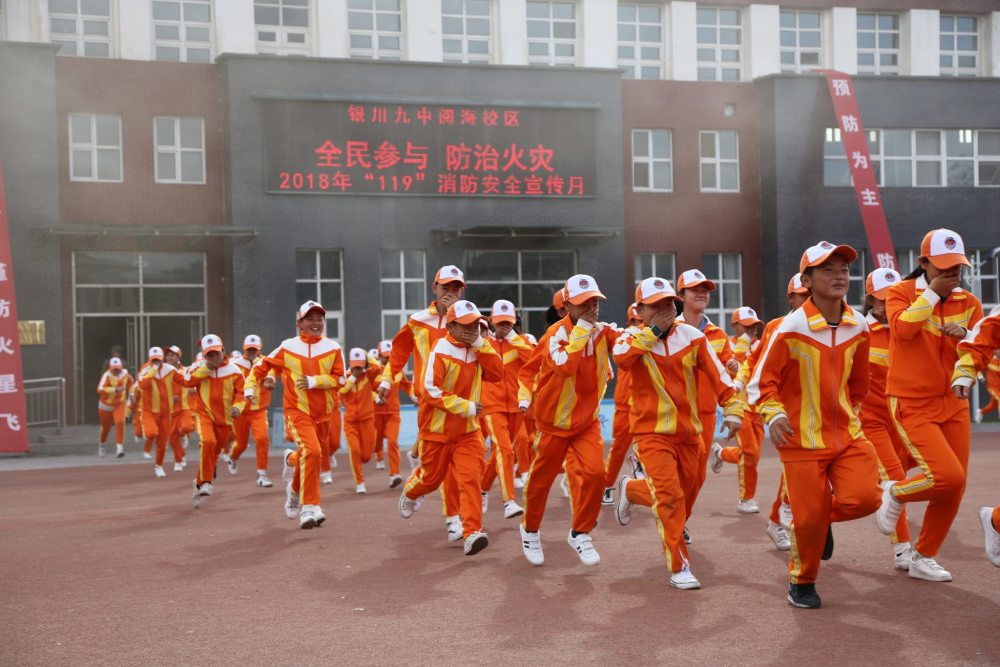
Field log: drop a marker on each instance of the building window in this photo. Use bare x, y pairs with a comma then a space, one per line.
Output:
466, 31
906, 260
404, 287
801, 40
180, 150
725, 269
376, 29
720, 44
527, 278
640, 40
878, 43
81, 27
984, 278
720, 161
856, 285
95, 147
959, 45
661, 264
551, 33
182, 31
988, 158
652, 161
319, 275
282, 27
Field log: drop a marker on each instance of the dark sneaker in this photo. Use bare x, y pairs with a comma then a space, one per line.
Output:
804, 596
828, 547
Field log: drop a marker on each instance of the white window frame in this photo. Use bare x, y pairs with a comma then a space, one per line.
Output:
650, 160
399, 310
716, 63
552, 42
856, 279
177, 150
92, 146
988, 158
717, 161
906, 260
282, 44
878, 51
719, 313
954, 53
320, 280
464, 38
798, 50
375, 34
634, 65
182, 43
659, 264
79, 39
983, 270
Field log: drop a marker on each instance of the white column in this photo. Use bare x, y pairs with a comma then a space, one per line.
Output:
27, 21
921, 44
764, 35
511, 33
332, 38
234, 27
422, 32
843, 37
135, 30
991, 67
598, 33
684, 41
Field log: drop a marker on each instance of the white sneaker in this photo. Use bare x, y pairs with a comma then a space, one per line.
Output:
137, 438
225, 457
233, 466
715, 457
184, 463
991, 536
119, 451
511, 509
360, 489
785, 516
519, 482
902, 557
185, 441
684, 579
326, 478
623, 508
292, 505
318, 514
475, 543
100, 450
287, 470
263, 481
307, 517
413, 460
196, 497
564, 485
205, 489
928, 569
454, 524
159, 472
380, 465
531, 544
887, 514
178, 466
748, 506
608, 498
778, 535
978, 416
486, 502
394, 481
584, 547
147, 456
407, 506
333, 460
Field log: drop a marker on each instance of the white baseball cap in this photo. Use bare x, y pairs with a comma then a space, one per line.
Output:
746, 316
692, 278
308, 306
819, 253
253, 340
115, 362
581, 288
210, 343
795, 285
654, 289
384, 348
464, 312
449, 274
156, 353
944, 249
235, 354
879, 281
176, 350
503, 311
358, 357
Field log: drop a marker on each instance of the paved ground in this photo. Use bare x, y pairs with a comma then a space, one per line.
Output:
108, 565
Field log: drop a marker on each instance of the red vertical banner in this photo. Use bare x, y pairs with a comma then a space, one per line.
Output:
13, 412
852, 133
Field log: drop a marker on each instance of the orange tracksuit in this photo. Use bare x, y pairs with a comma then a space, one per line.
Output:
574, 361
218, 392
113, 392
746, 453
358, 396
501, 416
620, 428
976, 353
387, 422
781, 497
666, 423
254, 419
451, 385
135, 400
527, 380
992, 385
417, 337
157, 393
933, 424
817, 375
877, 421
308, 412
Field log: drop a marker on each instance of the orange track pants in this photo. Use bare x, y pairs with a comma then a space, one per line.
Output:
853, 476
936, 431
137, 422
158, 429
499, 426
252, 423
114, 418
462, 457
620, 444
708, 420
360, 445
670, 463
331, 443
213, 438
780, 497
522, 444
747, 454
387, 432
886, 441
583, 454
308, 436
994, 402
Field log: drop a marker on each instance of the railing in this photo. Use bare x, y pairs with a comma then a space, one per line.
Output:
46, 402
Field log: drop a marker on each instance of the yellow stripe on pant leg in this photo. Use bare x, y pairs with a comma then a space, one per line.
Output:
916, 485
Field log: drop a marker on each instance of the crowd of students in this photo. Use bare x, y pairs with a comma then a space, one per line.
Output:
868, 410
